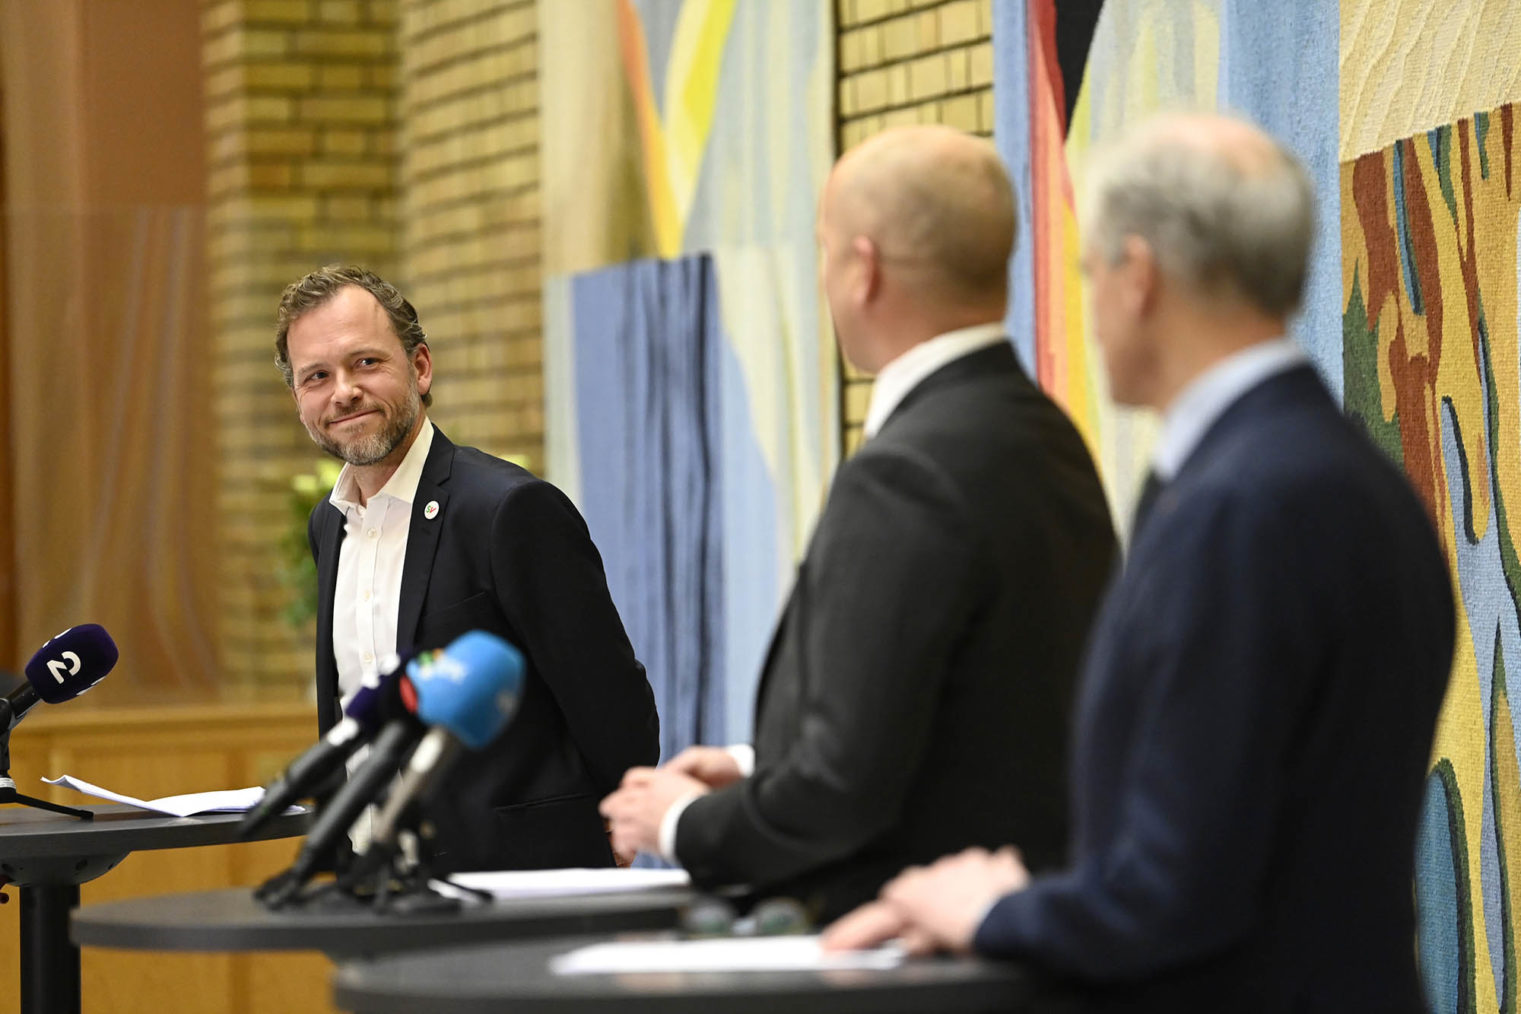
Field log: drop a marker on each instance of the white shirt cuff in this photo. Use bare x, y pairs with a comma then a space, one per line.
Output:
744, 756
668, 824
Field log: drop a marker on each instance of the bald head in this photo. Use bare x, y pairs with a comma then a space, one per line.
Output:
1224, 208
936, 204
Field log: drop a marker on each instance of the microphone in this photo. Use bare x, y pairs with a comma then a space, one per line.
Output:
334, 819
368, 711
62, 669
467, 693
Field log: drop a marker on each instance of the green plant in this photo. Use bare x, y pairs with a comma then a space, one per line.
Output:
297, 570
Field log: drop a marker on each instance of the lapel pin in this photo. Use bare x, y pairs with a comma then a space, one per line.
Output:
431, 510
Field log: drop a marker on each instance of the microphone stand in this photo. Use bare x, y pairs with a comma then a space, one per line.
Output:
8, 793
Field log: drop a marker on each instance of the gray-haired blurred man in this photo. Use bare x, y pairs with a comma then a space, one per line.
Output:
1263, 682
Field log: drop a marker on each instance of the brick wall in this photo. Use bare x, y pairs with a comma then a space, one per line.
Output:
301, 134
470, 240
909, 61
406, 137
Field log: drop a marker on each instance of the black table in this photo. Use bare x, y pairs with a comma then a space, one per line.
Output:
231, 920
497, 977
49, 855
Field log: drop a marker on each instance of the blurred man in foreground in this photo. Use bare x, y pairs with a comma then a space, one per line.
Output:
917, 690
1260, 696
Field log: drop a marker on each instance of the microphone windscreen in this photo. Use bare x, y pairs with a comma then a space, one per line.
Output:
470, 688
71, 663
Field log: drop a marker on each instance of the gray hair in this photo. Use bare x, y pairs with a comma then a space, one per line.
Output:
314, 290
1235, 223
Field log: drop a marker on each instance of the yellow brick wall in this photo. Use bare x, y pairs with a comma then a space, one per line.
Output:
470, 240
301, 132
909, 61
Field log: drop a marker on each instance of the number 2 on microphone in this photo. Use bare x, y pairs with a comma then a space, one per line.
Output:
58, 668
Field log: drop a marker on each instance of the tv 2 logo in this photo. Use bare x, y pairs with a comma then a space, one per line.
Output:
59, 669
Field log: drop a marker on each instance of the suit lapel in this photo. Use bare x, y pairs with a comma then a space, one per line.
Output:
422, 540
329, 541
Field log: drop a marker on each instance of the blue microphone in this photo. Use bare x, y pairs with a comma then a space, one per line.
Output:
467, 694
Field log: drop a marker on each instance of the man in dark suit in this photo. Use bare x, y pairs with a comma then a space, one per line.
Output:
1262, 688
422, 541
916, 693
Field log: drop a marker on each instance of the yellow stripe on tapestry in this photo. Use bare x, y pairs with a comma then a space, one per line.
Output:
1079, 369
635, 53
691, 93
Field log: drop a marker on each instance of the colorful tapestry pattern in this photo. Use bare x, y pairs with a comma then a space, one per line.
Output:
684, 146
1404, 114
1275, 63
1429, 244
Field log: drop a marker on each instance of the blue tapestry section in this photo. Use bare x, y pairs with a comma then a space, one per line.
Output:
648, 343
1011, 133
1279, 67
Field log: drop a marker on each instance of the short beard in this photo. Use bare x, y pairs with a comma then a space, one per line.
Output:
373, 449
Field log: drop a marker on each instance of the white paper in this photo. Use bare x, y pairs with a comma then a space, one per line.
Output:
221, 801
727, 954
568, 882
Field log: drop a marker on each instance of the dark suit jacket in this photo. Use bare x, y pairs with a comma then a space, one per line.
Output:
509, 553
916, 696
1254, 731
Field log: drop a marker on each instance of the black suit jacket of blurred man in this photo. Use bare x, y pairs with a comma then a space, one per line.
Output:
916, 695
1254, 732
508, 553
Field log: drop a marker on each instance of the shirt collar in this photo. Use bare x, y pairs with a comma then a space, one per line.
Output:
902, 375
402, 485
1208, 395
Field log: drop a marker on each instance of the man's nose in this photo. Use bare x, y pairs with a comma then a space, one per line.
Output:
345, 388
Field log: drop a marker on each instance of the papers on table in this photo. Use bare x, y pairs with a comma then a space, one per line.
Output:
565, 883
223, 801
731, 954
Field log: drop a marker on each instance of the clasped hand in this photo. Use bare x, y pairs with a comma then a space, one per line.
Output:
637, 808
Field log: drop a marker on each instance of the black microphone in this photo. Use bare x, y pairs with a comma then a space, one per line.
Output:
62, 669
333, 821
368, 711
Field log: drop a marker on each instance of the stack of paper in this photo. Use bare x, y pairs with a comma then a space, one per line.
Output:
563, 883
223, 801
730, 954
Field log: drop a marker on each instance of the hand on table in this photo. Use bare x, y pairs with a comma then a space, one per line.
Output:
937, 907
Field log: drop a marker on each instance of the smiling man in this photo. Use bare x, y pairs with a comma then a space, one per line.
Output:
422, 541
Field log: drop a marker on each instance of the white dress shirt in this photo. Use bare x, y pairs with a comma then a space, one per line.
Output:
367, 595
1208, 395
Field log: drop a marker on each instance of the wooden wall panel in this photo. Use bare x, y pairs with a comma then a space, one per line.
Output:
152, 752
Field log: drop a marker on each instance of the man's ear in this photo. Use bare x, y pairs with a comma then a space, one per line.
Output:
1142, 276
422, 362
867, 283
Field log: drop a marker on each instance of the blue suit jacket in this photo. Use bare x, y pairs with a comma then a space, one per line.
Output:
1253, 733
